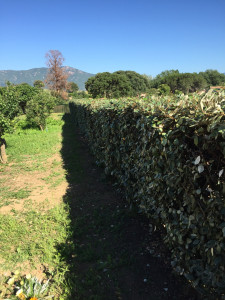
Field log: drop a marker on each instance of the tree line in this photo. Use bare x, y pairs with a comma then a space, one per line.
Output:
132, 84
188, 82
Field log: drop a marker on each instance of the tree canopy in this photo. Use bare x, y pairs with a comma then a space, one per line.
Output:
9, 109
72, 87
117, 84
39, 84
213, 77
138, 82
39, 108
188, 82
24, 93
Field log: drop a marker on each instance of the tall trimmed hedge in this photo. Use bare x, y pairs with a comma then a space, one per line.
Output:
169, 157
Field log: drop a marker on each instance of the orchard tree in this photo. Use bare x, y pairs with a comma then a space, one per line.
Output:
39, 108
9, 109
56, 78
24, 93
72, 87
38, 84
21, 92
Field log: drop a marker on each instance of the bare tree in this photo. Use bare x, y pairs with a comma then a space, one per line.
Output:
56, 78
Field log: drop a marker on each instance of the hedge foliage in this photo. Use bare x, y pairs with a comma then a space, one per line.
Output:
169, 157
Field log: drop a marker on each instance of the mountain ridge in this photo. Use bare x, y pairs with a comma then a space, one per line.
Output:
30, 75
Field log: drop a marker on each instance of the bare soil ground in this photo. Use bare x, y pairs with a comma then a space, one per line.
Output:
40, 184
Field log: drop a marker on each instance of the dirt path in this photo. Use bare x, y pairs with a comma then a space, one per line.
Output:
113, 253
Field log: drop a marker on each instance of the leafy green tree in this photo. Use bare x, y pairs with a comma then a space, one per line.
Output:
148, 77
72, 87
109, 85
39, 108
153, 91
213, 77
38, 84
25, 93
199, 82
168, 73
164, 89
190, 82
21, 92
185, 82
139, 83
98, 85
9, 109
169, 77
1, 90
81, 95
117, 84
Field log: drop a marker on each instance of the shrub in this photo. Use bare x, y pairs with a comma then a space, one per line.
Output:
39, 108
169, 158
9, 109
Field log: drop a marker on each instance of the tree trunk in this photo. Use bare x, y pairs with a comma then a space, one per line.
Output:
3, 156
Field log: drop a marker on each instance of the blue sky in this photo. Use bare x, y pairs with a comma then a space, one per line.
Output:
145, 36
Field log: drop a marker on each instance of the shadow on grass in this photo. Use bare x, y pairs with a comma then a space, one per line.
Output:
108, 250
87, 253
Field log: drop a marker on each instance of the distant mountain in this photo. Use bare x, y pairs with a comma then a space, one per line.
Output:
29, 76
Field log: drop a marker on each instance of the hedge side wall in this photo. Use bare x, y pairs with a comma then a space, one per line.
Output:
170, 160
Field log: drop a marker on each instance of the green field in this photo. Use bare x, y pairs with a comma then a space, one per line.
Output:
34, 220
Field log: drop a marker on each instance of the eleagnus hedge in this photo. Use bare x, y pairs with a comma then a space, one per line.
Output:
169, 157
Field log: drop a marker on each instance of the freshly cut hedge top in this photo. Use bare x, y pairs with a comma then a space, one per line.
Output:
169, 157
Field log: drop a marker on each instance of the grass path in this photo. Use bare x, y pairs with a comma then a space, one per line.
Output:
33, 216
60, 216
115, 254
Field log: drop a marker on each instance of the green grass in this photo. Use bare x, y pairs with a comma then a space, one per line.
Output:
55, 178
33, 166
26, 236
33, 235
26, 144
7, 195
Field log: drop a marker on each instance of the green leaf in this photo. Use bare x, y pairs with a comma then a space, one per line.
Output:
196, 140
